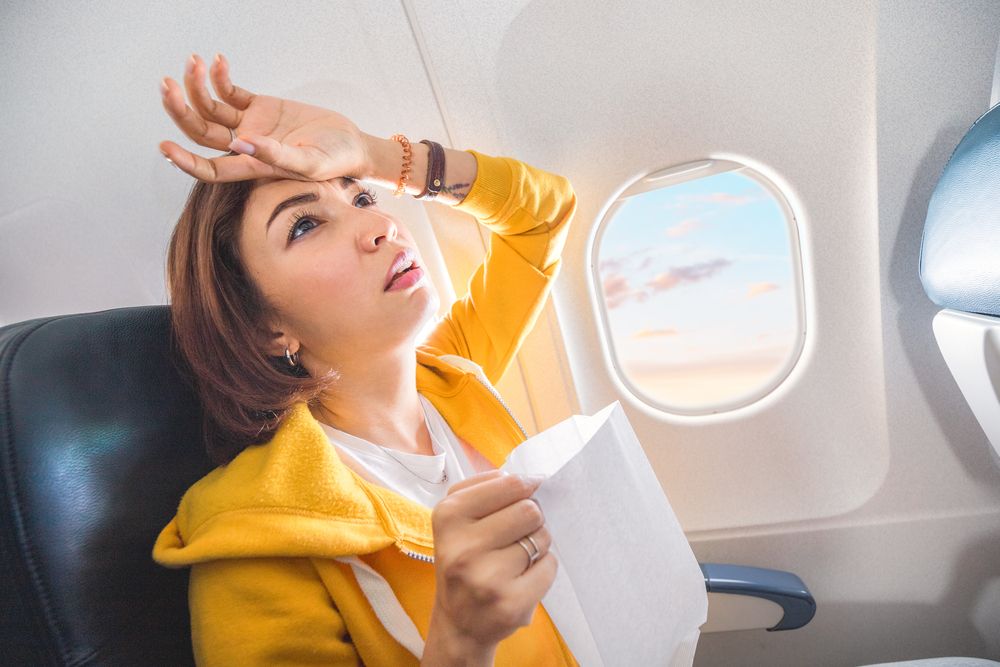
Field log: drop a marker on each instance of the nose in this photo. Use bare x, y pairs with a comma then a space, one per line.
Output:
382, 229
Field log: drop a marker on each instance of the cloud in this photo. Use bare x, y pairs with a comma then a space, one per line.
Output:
612, 265
683, 228
616, 264
756, 289
687, 274
615, 286
663, 281
644, 257
617, 291
653, 333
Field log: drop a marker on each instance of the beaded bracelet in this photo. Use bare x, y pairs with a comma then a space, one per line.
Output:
404, 176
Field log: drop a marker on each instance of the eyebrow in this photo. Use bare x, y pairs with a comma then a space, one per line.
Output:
304, 198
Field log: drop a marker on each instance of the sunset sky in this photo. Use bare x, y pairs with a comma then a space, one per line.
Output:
698, 283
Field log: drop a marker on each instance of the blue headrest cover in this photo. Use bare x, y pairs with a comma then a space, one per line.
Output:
960, 250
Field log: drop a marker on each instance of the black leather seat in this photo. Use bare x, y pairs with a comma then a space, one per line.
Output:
99, 437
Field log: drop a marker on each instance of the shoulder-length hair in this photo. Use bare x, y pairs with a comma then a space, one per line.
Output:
220, 323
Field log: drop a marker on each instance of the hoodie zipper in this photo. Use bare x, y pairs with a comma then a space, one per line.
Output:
497, 395
416, 556
474, 369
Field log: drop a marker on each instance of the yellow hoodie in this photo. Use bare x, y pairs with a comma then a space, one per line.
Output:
262, 533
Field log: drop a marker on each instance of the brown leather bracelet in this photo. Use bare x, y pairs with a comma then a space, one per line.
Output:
435, 170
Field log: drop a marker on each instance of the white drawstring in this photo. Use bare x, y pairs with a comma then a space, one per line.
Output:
386, 606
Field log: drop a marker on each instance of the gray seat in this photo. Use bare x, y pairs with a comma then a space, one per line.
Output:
960, 271
960, 268
960, 248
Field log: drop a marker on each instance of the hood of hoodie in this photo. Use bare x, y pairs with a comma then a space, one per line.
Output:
294, 497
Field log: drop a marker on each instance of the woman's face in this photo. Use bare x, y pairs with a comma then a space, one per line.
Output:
321, 253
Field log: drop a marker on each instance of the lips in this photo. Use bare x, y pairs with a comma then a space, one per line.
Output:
405, 258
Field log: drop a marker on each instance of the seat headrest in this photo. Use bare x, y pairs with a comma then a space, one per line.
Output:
99, 438
960, 249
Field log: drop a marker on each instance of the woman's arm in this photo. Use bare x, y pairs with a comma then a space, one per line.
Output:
528, 212
387, 160
282, 138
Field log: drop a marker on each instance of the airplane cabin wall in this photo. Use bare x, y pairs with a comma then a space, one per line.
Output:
865, 472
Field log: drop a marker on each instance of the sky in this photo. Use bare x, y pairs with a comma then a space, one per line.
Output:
699, 288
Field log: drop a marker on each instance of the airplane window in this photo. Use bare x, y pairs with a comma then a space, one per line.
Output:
698, 277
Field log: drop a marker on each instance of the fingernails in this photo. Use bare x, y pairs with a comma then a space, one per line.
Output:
533, 479
171, 162
218, 59
190, 65
240, 146
164, 88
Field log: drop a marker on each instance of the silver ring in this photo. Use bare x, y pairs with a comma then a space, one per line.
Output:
532, 555
538, 552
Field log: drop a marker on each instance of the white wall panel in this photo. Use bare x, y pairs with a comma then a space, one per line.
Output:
83, 117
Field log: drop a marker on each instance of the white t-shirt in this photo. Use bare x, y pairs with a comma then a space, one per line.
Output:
412, 475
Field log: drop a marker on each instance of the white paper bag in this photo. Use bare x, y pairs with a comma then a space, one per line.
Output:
629, 590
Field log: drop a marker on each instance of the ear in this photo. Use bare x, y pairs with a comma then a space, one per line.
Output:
280, 341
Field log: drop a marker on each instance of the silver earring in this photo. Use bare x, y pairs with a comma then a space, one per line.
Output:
293, 359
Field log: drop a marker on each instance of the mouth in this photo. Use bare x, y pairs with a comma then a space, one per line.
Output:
403, 263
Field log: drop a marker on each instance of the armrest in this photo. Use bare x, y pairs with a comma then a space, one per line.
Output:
782, 588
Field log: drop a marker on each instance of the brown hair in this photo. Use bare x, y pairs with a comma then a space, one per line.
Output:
220, 324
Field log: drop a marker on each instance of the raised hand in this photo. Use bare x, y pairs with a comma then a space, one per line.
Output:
278, 138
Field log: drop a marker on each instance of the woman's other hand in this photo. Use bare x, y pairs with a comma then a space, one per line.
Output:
288, 139
486, 588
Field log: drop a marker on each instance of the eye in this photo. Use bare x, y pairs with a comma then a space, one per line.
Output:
366, 198
301, 221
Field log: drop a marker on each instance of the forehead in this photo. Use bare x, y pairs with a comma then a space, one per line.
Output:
270, 191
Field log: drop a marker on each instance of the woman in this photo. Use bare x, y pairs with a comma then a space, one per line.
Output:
357, 514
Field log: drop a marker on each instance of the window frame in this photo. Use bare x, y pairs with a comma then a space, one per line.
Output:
666, 178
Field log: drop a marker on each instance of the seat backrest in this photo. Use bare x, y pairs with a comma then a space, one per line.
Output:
960, 268
960, 249
99, 438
